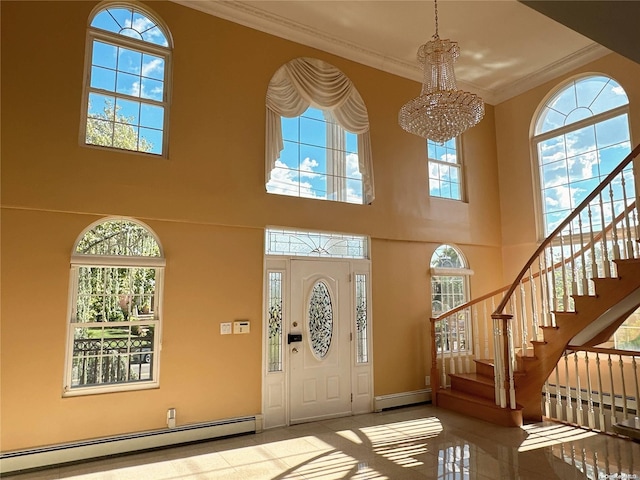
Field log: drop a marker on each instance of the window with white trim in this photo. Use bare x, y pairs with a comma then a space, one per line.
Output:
445, 169
127, 68
317, 135
581, 134
449, 289
113, 336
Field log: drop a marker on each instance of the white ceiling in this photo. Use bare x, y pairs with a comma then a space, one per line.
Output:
506, 47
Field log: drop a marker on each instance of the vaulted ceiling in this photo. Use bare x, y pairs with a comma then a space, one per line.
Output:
506, 47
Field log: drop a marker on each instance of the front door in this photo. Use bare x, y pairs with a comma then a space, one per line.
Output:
319, 340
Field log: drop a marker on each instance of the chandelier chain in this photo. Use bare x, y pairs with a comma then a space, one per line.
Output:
435, 2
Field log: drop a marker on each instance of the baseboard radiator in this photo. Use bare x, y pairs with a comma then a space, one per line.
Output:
41, 457
401, 399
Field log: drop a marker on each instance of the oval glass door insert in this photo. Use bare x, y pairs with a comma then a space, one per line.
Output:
320, 319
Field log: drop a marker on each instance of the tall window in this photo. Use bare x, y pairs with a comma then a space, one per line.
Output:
319, 159
127, 80
317, 141
445, 170
581, 135
115, 300
449, 289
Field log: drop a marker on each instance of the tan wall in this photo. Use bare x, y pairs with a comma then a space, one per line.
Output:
518, 192
208, 205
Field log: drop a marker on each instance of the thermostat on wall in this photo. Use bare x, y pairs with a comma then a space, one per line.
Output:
241, 326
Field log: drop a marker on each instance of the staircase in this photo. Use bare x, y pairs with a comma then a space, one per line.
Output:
579, 286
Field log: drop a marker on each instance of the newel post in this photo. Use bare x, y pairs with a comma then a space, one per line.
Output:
505, 375
435, 376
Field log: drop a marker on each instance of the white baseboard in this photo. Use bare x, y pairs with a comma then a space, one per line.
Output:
401, 399
76, 451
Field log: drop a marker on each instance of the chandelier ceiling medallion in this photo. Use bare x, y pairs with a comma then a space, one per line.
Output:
441, 112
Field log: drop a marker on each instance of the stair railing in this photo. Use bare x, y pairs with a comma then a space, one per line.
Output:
565, 262
559, 268
594, 387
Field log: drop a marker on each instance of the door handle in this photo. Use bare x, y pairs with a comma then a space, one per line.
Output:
294, 350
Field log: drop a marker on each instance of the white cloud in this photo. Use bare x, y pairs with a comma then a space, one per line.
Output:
433, 170
618, 90
353, 168
560, 197
306, 167
284, 181
449, 158
154, 66
135, 89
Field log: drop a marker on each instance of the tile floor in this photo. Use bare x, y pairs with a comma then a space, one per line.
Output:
419, 442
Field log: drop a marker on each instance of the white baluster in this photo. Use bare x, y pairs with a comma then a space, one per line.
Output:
554, 293
559, 412
614, 230
534, 305
486, 327
579, 411
613, 396
563, 266
624, 388
591, 413
574, 269
443, 343
547, 399
605, 250
544, 294
523, 321
583, 266
452, 363
602, 425
627, 225
592, 241
475, 331
634, 367
567, 387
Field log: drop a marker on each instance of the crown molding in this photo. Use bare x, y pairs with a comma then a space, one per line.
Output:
556, 69
258, 19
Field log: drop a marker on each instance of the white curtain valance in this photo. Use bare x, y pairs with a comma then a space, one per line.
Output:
305, 82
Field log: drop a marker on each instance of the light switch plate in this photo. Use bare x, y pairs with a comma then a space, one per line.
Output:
225, 328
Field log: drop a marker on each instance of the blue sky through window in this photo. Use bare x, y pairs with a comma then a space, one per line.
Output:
302, 169
127, 84
573, 162
444, 170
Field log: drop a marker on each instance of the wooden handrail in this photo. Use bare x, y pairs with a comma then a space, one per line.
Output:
616, 171
606, 351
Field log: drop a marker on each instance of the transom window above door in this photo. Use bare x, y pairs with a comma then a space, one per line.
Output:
317, 137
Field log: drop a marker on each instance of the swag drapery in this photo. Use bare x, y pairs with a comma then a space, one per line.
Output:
308, 81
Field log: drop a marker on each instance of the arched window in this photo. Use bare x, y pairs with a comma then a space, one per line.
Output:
449, 289
127, 71
117, 269
317, 136
581, 134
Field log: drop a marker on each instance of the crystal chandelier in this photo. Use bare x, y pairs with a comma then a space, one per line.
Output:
441, 112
